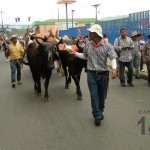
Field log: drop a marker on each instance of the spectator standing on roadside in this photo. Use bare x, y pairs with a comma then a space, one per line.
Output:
123, 45
136, 54
146, 56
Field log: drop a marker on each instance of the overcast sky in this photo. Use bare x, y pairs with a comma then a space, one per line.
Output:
48, 9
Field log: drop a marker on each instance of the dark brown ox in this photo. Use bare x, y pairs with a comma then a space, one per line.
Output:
41, 58
72, 65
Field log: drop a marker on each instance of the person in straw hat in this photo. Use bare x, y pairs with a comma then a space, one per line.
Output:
15, 53
96, 51
136, 54
146, 56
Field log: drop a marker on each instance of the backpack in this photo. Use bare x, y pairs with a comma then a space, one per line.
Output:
118, 52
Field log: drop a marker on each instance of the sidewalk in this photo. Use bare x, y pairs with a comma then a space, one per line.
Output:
143, 75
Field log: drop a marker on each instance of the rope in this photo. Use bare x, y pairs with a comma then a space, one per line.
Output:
21, 66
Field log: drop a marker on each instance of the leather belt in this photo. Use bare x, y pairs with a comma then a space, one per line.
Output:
103, 73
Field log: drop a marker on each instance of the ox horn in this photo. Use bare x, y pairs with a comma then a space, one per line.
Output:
79, 32
38, 36
50, 32
57, 36
26, 33
38, 41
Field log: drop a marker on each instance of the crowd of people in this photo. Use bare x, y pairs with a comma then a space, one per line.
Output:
133, 53
130, 52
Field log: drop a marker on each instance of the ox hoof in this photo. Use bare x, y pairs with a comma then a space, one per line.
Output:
79, 97
38, 94
46, 100
35, 91
67, 86
58, 70
62, 75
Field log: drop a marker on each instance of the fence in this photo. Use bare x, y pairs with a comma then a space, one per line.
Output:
73, 32
139, 21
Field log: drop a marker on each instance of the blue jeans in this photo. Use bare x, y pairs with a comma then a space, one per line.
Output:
14, 65
136, 63
129, 65
141, 64
98, 90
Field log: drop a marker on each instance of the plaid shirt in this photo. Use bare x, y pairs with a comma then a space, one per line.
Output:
146, 50
97, 56
125, 55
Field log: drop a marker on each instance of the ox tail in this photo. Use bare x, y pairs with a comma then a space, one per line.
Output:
25, 62
69, 79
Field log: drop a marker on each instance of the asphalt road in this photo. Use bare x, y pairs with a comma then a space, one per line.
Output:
65, 123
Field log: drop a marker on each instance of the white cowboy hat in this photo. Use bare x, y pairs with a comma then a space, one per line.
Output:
97, 29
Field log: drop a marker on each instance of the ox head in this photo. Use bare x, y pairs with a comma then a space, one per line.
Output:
79, 41
47, 51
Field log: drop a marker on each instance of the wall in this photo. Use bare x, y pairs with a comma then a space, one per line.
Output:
139, 21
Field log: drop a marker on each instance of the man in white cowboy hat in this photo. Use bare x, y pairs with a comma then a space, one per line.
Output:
96, 51
146, 56
136, 54
15, 53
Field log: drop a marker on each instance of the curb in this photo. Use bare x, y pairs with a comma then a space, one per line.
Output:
142, 75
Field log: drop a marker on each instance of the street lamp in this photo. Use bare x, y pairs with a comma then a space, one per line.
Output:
72, 17
96, 5
66, 2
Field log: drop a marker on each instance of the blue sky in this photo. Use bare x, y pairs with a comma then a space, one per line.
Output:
48, 9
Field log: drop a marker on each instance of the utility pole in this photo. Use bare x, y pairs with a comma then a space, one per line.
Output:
96, 5
2, 21
58, 13
66, 4
72, 17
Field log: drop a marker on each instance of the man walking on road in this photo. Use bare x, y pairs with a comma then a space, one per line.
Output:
15, 53
96, 51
